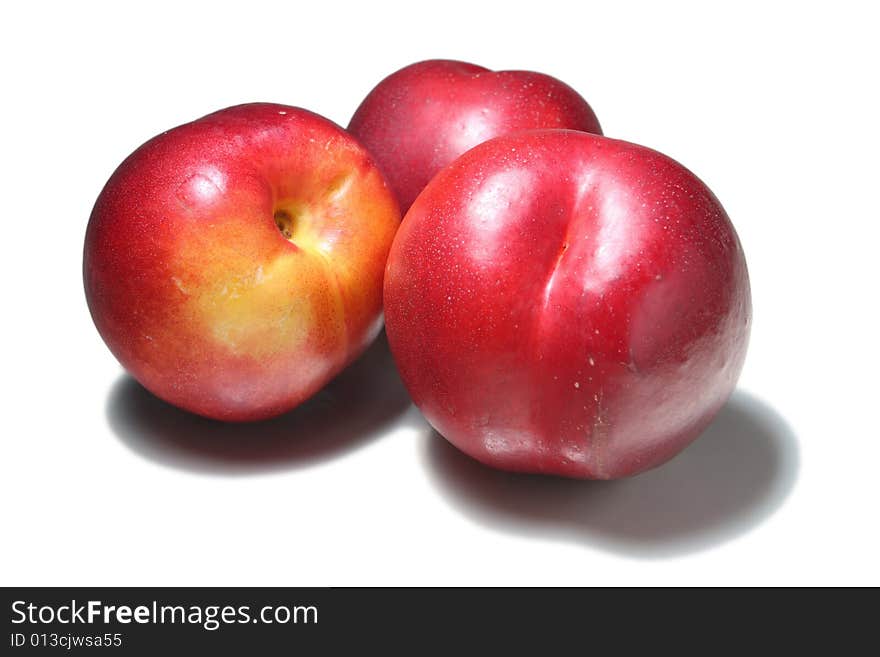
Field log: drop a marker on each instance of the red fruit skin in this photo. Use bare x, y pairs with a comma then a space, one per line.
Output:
195, 289
419, 119
563, 303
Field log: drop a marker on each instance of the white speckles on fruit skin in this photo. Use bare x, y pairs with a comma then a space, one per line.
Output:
179, 285
585, 321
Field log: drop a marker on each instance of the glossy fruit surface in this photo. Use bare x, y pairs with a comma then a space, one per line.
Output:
419, 119
563, 303
234, 264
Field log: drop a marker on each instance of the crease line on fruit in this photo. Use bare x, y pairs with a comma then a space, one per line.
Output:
336, 285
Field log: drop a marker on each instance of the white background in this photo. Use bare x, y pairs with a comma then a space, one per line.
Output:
775, 106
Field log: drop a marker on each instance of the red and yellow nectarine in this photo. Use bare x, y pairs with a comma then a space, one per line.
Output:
234, 264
